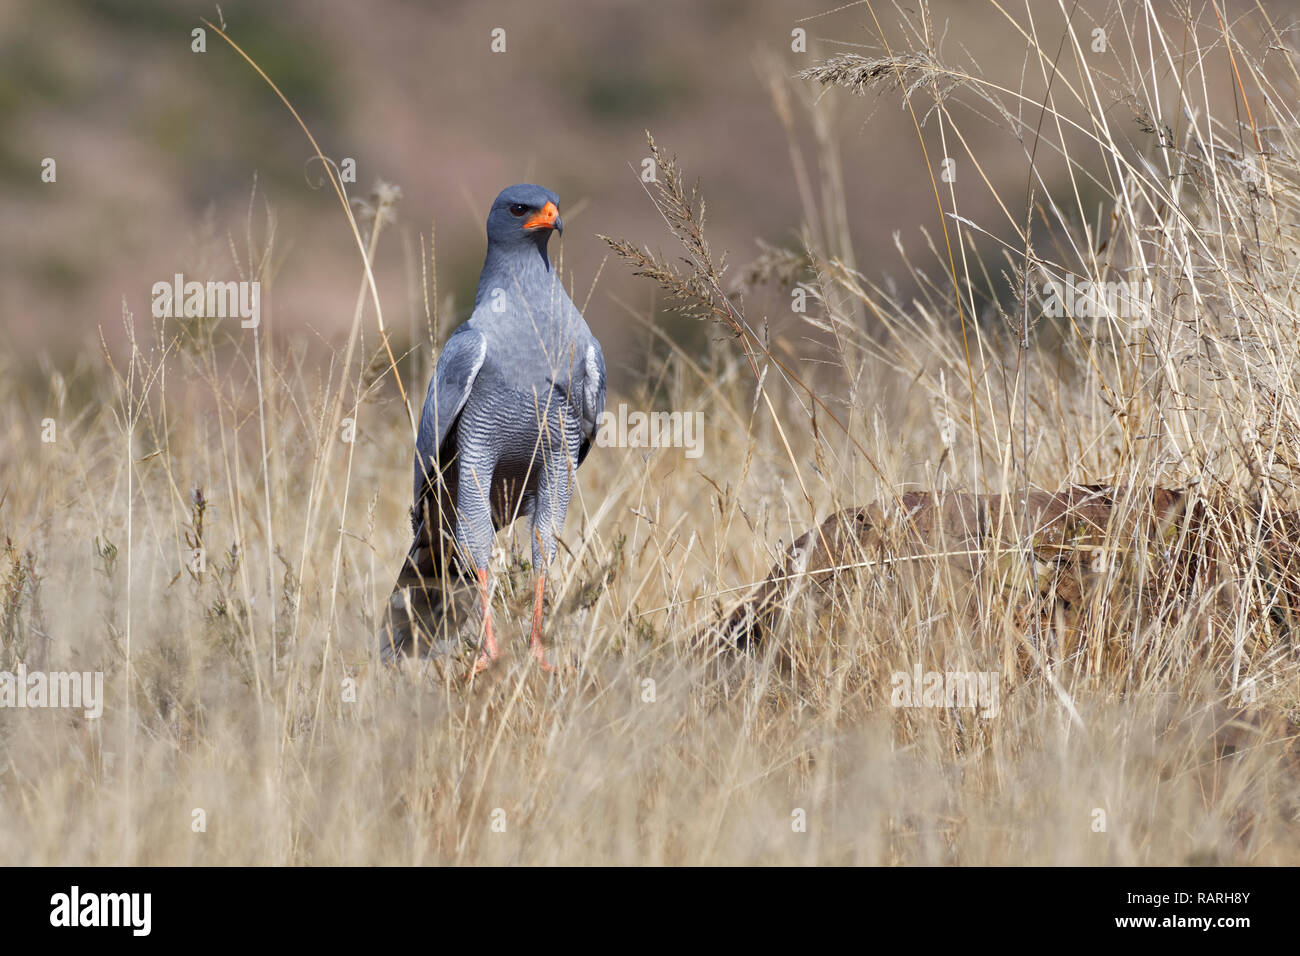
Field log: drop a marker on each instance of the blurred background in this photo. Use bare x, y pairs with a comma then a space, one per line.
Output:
162, 152
158, 148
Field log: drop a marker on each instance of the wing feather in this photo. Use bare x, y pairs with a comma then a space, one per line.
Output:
459, 363
593, 396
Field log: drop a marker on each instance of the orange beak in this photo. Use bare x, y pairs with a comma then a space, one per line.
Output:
548, 217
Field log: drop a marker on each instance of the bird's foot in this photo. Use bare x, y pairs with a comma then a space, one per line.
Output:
480, 665
539, 655
487, 657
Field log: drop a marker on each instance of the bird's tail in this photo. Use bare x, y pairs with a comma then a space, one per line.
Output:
429, 600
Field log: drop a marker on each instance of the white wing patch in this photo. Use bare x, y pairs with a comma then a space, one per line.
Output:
593, 389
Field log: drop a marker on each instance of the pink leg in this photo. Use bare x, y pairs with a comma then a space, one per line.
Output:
490, 650
535, 638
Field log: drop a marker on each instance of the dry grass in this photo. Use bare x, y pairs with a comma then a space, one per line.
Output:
251, 689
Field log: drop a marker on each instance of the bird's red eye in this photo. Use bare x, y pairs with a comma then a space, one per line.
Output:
517, 209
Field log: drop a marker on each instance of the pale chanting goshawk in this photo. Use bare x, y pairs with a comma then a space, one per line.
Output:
510, 413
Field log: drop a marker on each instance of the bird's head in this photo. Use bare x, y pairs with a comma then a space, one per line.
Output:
524, 214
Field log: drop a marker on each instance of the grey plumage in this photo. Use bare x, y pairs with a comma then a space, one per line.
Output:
511, 412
